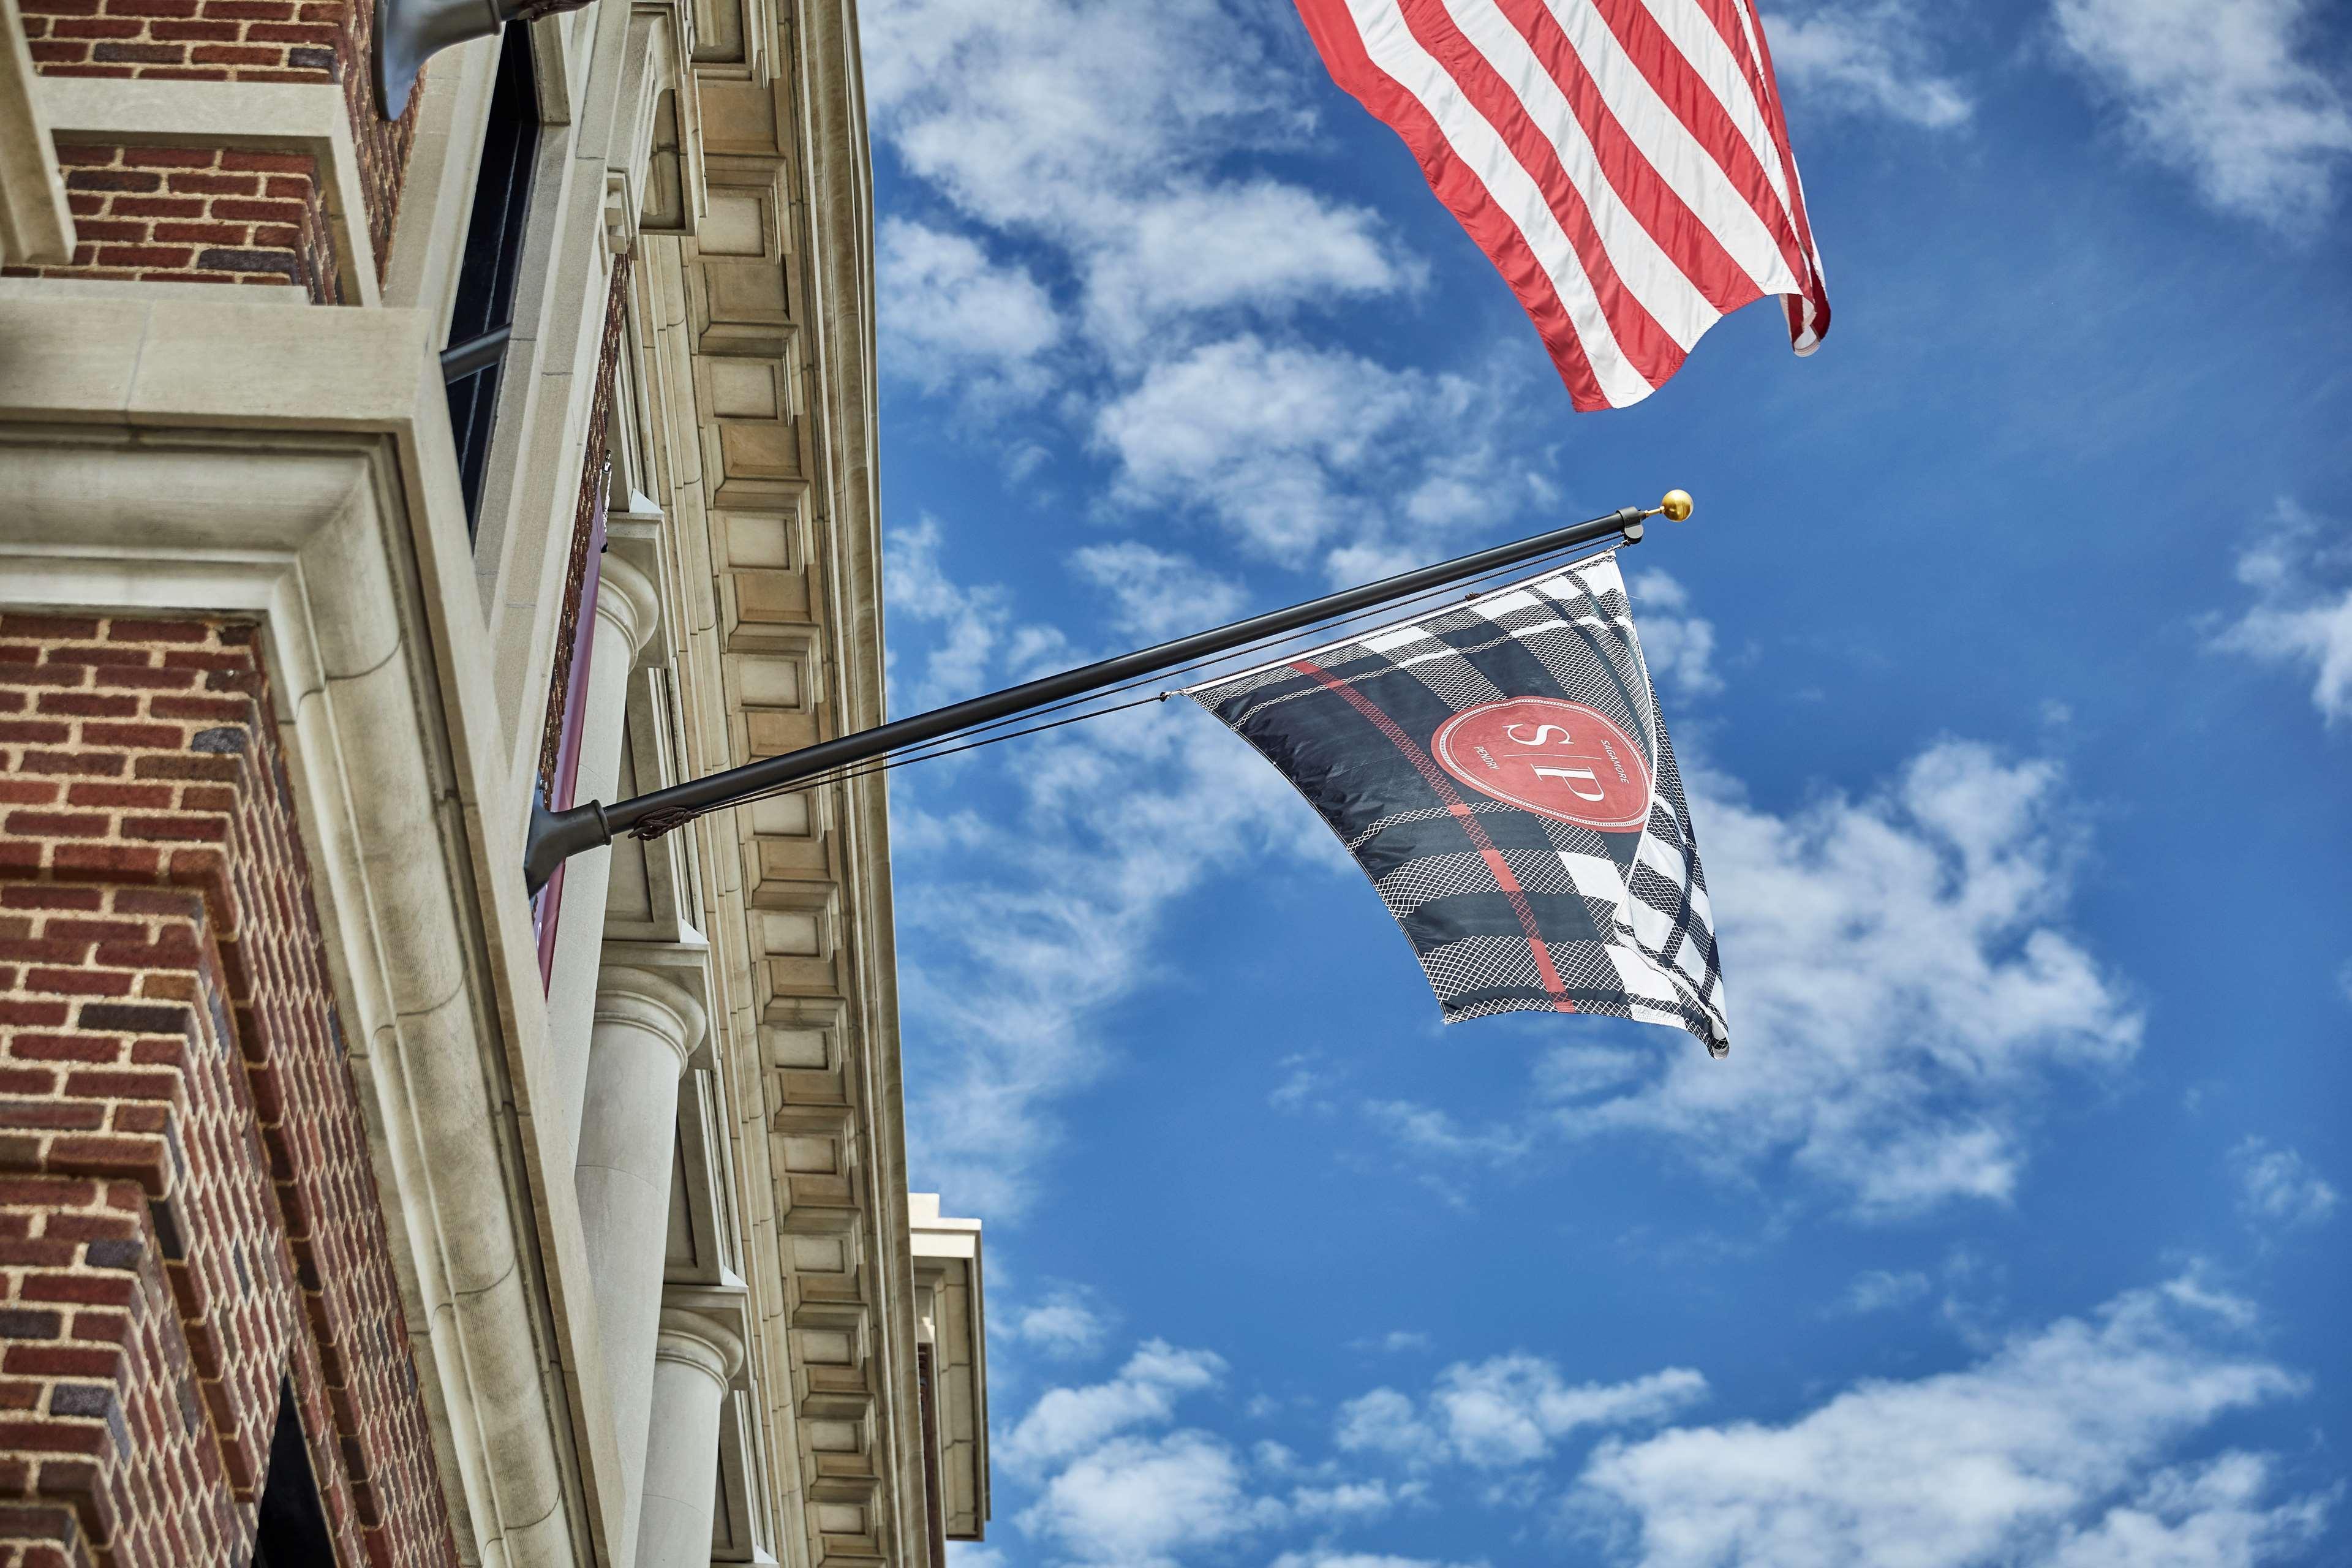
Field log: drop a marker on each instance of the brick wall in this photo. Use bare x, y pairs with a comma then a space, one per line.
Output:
239, 40
187, 1209
197, 214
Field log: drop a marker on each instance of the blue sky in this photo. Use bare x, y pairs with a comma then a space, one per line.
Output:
2010, 661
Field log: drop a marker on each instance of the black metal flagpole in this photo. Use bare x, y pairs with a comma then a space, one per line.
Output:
557, 835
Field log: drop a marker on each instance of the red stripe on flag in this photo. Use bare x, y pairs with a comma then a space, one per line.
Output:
1477, 830
1679, 231
1333, 28
1675, 80
1575, 144
1653, 353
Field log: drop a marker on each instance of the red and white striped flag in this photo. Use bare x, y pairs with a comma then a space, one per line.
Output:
1625, 164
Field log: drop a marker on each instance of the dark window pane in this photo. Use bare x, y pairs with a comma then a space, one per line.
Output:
494, 235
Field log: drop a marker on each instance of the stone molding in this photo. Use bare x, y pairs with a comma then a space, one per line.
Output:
629, 599
702, 1342
641, 999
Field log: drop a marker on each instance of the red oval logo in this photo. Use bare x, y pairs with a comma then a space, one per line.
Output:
1557, 759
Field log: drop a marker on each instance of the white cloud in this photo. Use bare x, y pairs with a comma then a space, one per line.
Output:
1102, 131
2300, 616
1062, 1325
2041, 1453
2205, 1516
2218, 89
1901, 987
950, 317
1505, 1411
1383, 1422
1678, 646
1348, 1499
1067, 1421
1138, 1501
1157, 595
1863, 57
1198, 250
1298, 450
1359, 1560
975, 631
1396, 1341
2277, 1187
1879, 1290
1439, 1136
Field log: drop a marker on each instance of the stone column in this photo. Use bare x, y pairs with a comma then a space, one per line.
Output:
697, 1357
646, 1028
628, 606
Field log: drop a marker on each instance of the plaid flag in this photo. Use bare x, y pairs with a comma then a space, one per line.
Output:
1500, 769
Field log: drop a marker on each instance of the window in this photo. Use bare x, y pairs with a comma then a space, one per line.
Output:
484, 315
293, 1532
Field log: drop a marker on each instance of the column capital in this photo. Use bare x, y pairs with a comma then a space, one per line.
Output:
700, 1340
629, 599
641, 999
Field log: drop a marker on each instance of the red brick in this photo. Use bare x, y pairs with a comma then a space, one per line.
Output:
88, 704
28, 792
141, 255
54, 628
140, 736
215, 184
97, 27
64, 1048
234, 55
203, 233
230, 209
294, 33
193, 32
61, 59
113, 180
79, 981
59, 1360
138, 796
142, 206
201, 708
268, 162
83, 765
97, 1289
92, 862
58, 824
41, 896
122, 630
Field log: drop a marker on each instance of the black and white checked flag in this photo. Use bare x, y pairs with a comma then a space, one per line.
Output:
1500, 771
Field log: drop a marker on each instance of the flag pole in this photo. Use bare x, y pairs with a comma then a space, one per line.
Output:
557, 835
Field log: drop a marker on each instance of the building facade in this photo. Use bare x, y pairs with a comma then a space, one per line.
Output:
361, 482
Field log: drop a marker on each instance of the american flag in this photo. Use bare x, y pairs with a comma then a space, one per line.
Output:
1625, 164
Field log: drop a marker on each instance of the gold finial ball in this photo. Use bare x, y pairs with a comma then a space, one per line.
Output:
1676, 504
